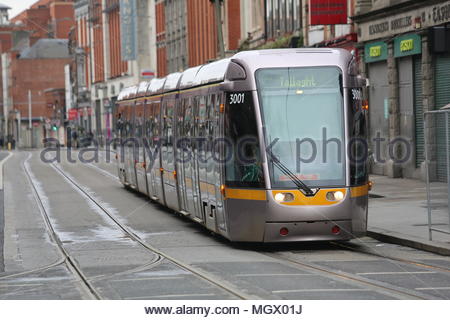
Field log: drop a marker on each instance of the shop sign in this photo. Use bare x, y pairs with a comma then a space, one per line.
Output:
407, 45
328, 12
375, 51
420, 18
73, 114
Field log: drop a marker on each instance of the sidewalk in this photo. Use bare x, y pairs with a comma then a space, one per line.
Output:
398, 213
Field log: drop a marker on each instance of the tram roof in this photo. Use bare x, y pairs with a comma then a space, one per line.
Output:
298, 57
126, 93
253, 60
172, 81
132, 93
142, 88
156, 86
212, 72
188, 77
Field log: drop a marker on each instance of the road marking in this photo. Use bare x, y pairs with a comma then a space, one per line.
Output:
151, 278
1, 169
103, 172
274, 274
21, 285
173, 296
317, 290
394, 273
438, 288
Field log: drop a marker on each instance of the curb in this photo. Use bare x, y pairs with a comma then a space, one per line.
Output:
1, 168
383, 235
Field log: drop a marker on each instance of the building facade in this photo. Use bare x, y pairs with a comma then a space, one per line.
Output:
34, 50
407, 59
113, 46
194, 32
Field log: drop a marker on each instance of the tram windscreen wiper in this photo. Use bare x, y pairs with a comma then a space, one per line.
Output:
299, 183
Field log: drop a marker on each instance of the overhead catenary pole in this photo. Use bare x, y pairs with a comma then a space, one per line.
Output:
217, 6
30, 124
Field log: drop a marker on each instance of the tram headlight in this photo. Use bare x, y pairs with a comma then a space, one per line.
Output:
335, 196
284, 197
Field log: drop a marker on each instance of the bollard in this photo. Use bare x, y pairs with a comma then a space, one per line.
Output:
9, 146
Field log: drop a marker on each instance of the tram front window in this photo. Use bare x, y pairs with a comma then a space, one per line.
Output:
302, 111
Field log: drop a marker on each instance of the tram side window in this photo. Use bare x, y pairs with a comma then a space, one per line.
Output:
168, 134
156, 123
358, 138
148, 123
242, 155
138, 125
127, 123
120, 128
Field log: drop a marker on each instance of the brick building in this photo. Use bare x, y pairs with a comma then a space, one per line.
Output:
34, 50
187, 34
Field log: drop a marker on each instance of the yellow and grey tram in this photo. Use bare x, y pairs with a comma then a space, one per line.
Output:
265, 146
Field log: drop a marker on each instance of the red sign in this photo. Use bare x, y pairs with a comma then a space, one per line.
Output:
326, 12
148, 74
73, 114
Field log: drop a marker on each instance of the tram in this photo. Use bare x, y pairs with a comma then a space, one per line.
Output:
265, 146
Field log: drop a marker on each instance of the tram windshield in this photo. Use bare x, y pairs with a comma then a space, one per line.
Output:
303, 115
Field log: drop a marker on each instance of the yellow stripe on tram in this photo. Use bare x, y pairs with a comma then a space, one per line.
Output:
245, 194
359, 191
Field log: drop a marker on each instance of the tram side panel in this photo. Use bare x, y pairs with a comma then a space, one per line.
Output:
358, 158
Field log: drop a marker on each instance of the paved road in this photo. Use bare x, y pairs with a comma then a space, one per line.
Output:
2, 221
119, 267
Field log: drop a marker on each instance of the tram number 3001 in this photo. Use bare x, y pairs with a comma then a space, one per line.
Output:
237, 98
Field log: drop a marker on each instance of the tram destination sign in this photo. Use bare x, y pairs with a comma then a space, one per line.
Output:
419, 18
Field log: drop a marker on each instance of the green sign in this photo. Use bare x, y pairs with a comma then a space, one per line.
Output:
375, 51
407, 45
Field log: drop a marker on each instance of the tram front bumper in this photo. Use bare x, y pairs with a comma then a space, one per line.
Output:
308, 231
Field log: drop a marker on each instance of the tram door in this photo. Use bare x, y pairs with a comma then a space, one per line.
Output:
181, 155
216, 175
139, 135
121, 133
207, 179
157, 144
130, 174
148, 147
168, 155
190, 161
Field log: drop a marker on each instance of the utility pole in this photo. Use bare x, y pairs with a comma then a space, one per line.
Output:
30, 123
217, 7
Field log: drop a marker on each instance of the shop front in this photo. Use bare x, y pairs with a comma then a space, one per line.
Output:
408, 64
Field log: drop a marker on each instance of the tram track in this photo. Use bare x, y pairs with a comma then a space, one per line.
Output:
213, 280
376, 285
381, 287
35, 270
369, 252
68, 260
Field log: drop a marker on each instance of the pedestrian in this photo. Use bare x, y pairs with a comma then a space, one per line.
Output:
74, 139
